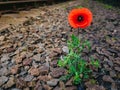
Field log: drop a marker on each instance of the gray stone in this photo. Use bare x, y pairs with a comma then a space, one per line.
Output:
15, 89
53, 82
5, 57
3, 71
28, 78
107, 78
36, 57
10, 82
65, 49
3, 80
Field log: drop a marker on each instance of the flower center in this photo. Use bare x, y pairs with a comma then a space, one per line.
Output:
80, 18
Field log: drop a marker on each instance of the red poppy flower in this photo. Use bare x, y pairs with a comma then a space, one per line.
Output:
80, 18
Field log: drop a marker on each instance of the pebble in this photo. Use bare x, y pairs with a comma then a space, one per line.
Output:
44, 78
5, 57
10, 82
34, 71
65, 49
27, 62
4, 71
107, 78
2, 38
53, 82
28, 78
37, 57
14, 69
57, 72
44, 70
113, 73
3, 79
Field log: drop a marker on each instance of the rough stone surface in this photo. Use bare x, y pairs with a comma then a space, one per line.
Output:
52, 82
3, 79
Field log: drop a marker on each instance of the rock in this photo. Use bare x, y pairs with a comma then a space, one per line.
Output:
37, 57
69, 82
34, 71
14, 69
117, 69
31, 84
42, 59
15, 89
4, 71
20, 83
10, 49
28, 78
57, 50
96, 87
5, 58
57, 72
35, 64
47, 87
44, 78
54, 63
19, 59
26, 88
38, 86
2, 38
62, 85
3, 79
27, 62
58, 88
65, 49
10, 82
113, 73
107, 78
53, 82
73, 88
53, 54
44, 70
114, 86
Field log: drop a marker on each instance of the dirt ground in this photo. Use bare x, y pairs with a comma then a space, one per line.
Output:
29, 52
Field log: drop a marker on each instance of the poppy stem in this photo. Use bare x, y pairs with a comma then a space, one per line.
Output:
78, 33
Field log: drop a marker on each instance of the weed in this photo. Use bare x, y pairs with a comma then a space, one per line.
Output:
77, 68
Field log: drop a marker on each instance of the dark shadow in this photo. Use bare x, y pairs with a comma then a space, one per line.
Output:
115, 3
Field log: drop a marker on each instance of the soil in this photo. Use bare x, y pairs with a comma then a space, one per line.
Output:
29, 52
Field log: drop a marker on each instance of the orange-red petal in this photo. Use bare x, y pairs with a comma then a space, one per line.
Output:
85, 13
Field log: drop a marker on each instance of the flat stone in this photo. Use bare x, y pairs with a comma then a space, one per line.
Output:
72, 88
65, 49
44, 78
53, 82
57, 72
15, 89
47, 87
4, 71
20, 83
3, 80
117, 69
2, 38
44, 70
31, 83
34, 71
107, 78
27, 62
14, 69
5, 57
28, 78
54, 63
113, 74
10, 82
37, 57
57, 50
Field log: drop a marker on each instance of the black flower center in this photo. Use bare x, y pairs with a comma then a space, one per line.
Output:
80, 18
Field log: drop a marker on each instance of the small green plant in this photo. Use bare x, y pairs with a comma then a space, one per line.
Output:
77, 67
